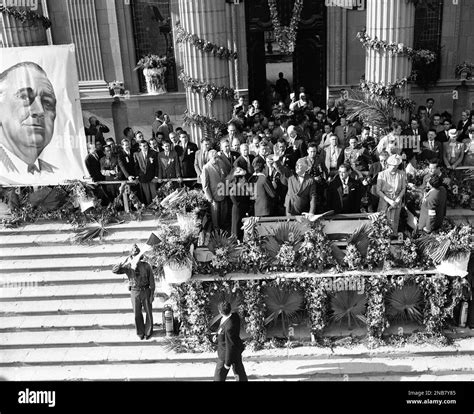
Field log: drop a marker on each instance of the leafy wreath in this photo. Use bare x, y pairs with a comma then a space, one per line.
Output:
26, 15
395, 48
286, 35
221, 52
209, 90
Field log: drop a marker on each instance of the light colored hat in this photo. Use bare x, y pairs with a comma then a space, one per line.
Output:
394, 159
304, 164
239, 171
453, 133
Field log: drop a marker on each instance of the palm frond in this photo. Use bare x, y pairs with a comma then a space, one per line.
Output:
360, 238
222, 239
338, 254
282, 302
286, 231
405, 304
348, 305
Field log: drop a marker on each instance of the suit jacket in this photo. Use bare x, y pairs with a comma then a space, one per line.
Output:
263, 195
339, 131
442, 137
436, 152
240, 162
228, 163
344, 203
327, 157
433, 209
212, 177
168, 167
126, 163
462, 128
200, 160
147, 168
92, 162
186, 159
410, 132
109, 167
229, 344
300, 198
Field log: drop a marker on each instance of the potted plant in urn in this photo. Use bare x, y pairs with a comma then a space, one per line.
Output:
464, 70
154, 69
173, 249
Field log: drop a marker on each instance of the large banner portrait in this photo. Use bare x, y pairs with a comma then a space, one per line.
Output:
42, 139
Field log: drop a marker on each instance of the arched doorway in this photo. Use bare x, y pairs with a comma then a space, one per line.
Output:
305, 67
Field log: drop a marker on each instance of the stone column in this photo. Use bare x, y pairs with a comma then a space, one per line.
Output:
14, 33
392, 21
82, 19
208, 20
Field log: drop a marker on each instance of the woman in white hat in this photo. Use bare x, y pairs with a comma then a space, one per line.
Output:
391, 187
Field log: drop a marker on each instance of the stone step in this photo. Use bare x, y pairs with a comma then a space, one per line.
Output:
73, 338
76, 321
63, 252
64, 277
48, 265
87, 291
283, 370
79, 305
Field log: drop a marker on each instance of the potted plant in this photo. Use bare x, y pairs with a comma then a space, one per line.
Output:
154, 68
173, 249
116, 88
464, 70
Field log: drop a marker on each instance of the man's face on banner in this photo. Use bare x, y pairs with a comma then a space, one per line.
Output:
28, 112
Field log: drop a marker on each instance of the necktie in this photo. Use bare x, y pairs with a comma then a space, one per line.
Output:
167, 154
32, 168
431, 145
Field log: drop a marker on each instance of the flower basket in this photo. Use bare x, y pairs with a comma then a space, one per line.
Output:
454, 266
155, 80
177, 274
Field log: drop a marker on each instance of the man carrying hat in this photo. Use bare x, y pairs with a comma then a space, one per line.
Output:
142, 289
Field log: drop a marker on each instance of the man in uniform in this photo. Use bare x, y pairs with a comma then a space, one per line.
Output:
142, 290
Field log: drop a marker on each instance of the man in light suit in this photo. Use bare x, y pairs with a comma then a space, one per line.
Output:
344, 132
433, 206
213, 185
229, 345
200, 158
333, 156
146, 164
453, 151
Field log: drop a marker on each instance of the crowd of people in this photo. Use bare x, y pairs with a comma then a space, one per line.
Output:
300, 158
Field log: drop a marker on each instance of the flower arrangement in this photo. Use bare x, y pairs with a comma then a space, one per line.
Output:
395, 48
209, 90
282, 247
464, 70
353, 257
253, 257
152, 61
380, 233
286, 35
199, 315
221, 52
210, 125
409, 254
379, 89
255, 311
315, 251
317, 304
26, 15
459, 188
116, 88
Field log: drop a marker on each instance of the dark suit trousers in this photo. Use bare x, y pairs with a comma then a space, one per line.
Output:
148, 192
239, 211
238, 367
141, 299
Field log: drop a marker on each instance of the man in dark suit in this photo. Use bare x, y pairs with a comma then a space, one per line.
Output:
245, 160
229, 345
146, 163
186, 151
371, 180
443, 136
92, 162
301, 196
344, 193
168, 163
463, 126
126, 162
433, 206
109, 169
227, 157
431, 148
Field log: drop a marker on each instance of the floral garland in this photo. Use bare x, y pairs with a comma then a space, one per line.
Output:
286, 35
26, 15
255, 310
404, 104
379, 89
199, 317
209, 90
395, 48
380, 233
317, 304
221, 52
377, 321
203, 121
353, 257
315, 251
409, 254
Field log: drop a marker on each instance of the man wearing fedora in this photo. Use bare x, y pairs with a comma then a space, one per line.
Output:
453, 151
